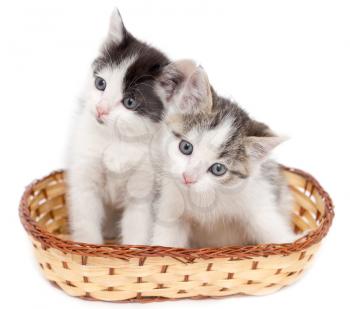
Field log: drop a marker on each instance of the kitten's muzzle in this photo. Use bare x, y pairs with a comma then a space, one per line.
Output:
187, 179
101, 113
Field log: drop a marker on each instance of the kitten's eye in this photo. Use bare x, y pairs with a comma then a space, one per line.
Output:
100, 83
130, 103
218, 169
185, 147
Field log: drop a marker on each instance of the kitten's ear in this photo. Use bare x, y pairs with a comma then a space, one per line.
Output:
169, 82
259, 147
196, 95
186, 86
116, 31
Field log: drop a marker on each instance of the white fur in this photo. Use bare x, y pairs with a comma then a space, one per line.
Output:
106, 163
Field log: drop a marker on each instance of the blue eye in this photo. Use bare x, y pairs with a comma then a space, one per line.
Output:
218, 169
100, 83
130, 103
186, 148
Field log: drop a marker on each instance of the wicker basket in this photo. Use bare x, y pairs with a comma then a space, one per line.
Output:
145, 273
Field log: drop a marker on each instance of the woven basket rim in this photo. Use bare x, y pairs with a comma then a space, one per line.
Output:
126, 252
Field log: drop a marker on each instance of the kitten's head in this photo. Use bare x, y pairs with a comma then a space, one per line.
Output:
120, 91
210, 142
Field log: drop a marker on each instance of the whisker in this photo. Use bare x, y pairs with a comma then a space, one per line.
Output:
137, 78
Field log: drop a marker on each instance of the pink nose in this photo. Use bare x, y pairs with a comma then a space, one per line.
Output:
188, 179
101, 111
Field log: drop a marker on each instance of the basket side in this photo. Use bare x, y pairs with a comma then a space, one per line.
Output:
144, 273
159, 278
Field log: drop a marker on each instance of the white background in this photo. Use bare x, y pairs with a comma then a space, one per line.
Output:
286, 62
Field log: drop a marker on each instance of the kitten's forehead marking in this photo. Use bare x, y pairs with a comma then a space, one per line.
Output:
208, 141
115, 75
213, 138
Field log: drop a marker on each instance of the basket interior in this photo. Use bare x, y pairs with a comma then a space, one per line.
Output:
46, 204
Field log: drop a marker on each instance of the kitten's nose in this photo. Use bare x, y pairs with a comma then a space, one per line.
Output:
101, 110
188, 180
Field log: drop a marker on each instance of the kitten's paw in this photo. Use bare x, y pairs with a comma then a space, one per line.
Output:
168, 243
87, 238
141, 241
110, 234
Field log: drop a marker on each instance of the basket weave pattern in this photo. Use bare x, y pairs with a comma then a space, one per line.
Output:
143, 273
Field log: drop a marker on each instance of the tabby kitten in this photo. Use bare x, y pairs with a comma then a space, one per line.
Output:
217, 184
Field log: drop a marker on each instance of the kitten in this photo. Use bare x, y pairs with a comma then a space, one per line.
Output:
109, 170
218, 185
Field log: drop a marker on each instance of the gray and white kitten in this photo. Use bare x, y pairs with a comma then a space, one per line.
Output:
217, 184
109, 169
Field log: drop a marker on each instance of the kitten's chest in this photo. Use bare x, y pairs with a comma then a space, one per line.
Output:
121, 157
114, 189
128, 178
211, 207
223, 233
216, 222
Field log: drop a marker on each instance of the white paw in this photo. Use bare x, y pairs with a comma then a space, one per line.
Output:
167, 242
88, 238
132, 240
